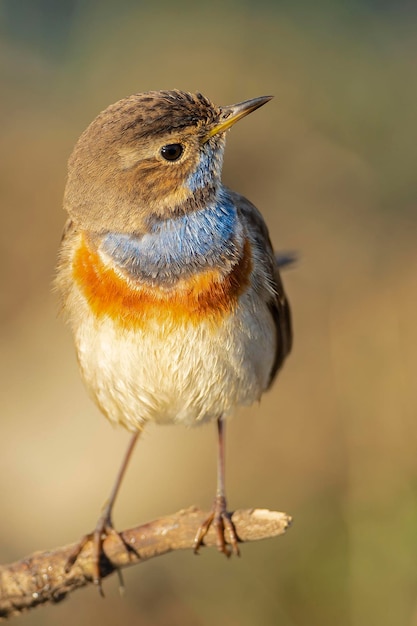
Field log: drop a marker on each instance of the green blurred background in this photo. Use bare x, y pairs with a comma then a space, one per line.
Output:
331, 163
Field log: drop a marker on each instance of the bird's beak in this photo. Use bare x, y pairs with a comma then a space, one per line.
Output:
229, 115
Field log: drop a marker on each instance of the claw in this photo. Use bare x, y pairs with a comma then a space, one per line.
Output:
221, 519
103, 529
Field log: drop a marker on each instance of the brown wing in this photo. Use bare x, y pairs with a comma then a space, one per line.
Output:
281, 313
268, 279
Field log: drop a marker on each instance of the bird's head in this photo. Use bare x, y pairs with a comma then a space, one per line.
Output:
150, 156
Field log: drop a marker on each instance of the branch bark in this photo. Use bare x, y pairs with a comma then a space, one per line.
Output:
41, 578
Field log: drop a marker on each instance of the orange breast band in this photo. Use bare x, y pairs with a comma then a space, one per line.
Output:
205, 296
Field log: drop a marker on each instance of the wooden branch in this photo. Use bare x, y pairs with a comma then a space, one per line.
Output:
41, 578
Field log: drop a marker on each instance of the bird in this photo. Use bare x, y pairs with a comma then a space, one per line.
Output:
168, 280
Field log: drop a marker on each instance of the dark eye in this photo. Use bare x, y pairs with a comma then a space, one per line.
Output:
172, 151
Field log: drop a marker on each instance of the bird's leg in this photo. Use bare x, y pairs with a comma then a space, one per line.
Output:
220, 518
104, 526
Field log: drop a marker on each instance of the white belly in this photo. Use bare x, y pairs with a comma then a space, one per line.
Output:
189, 373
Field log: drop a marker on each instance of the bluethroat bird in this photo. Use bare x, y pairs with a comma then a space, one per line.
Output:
168, 278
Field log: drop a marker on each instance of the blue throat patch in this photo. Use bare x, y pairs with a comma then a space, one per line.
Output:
178, 247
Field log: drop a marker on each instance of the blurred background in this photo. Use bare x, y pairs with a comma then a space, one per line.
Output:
331, 163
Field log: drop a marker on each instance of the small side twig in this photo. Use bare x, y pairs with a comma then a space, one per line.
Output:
41, 578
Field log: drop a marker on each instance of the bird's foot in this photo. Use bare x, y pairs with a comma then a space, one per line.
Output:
221, 519
103, 529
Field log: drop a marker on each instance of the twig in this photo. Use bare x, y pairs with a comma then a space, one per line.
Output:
41, 578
